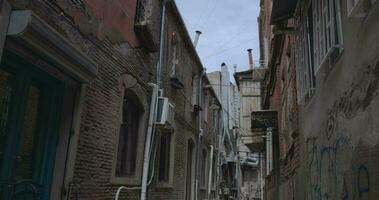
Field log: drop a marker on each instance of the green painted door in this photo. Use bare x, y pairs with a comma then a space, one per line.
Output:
30, 103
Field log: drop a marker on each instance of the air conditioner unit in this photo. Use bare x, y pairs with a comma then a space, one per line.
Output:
359, 8
165, 112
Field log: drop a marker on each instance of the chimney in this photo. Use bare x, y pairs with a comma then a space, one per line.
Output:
251, 62
198, 33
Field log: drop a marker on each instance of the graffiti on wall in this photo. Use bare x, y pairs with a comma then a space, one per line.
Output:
338, 166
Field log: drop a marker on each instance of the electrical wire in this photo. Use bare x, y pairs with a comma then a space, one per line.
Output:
228, 49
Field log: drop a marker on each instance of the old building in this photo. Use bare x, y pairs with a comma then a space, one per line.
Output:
227, 93
102, 100
322, 86
251, 143
80, 71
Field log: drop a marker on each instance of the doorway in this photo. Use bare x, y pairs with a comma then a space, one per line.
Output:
31, 103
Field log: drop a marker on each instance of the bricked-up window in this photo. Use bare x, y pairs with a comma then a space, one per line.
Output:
164, 157
128, 138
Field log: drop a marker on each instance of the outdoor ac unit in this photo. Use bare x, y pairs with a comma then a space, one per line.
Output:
359, 8
165, 112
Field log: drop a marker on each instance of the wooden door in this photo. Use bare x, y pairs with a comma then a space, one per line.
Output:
30, 107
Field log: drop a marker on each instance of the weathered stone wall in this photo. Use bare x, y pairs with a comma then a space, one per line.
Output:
338, 139
340, 123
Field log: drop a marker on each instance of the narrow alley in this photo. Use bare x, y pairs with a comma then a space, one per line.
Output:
189, 100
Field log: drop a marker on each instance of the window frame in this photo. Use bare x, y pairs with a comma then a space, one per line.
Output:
306, 77
132, 127
171, 157
128, 84
323, 26
189, 184
204, 169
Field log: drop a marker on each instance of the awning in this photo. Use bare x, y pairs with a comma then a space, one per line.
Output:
282, 10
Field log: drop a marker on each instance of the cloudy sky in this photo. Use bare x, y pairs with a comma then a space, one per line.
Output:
229, 28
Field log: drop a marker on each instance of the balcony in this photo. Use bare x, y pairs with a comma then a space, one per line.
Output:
145, 27
260, 121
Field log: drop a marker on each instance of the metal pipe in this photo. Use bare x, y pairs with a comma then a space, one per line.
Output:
198, 33
261, 174
251, 61
210, 175
161, 43
149, 137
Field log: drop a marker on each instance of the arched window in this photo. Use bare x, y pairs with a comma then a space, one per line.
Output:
128, 136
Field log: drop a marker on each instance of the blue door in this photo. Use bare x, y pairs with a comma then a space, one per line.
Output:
30, 106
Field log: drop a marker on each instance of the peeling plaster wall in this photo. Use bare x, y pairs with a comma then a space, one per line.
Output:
340, 124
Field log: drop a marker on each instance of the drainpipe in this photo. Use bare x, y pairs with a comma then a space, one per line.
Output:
200, 136
261, 173
161, 43
210, 175
153, 107
149, 137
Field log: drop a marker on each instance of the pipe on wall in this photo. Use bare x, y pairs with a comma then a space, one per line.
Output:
149, 140
210, 175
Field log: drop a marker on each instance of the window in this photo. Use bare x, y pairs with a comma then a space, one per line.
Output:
204, 169
128, 137
214, 171
206, 106
305, 56
174, 52
164, 157
195, 93
327, 34
189, 171
319, 42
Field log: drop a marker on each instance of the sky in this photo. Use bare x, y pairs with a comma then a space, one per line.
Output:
229, 28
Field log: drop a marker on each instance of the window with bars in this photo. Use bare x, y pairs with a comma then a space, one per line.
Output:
128, 137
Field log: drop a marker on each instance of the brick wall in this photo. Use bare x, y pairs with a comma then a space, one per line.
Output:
97, 141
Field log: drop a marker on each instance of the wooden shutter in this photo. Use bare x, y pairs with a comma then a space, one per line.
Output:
5, 11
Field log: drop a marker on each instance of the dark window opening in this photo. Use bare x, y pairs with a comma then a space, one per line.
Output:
189, 171
164, 157
128, 138
203, 169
